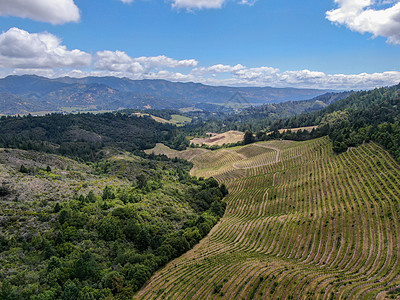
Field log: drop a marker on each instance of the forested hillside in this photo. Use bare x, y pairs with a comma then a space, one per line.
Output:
84, 136
361, 117
96, 231
258, 118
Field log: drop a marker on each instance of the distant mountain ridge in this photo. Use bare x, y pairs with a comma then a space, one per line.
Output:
32, 93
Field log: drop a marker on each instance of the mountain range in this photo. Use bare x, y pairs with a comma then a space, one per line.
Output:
31, 93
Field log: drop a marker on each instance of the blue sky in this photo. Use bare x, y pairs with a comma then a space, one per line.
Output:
338, 44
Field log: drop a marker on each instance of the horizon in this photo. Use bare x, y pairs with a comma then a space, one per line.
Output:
335, 45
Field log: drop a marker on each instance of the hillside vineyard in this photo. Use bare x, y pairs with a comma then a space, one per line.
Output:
301, 222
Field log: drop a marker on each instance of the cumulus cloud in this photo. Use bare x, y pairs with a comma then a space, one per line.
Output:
240, 75
119, 61
51, 11
164, 61
44, 54
219, 68
24, 50
369, 16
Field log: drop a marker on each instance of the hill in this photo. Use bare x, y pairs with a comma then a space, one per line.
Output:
87, 136
99, 93
260, 118
361, 117
300, 220
70, 230
189, 154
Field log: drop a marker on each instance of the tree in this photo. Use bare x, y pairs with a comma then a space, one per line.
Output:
110, 229
57, 208
141, 181
4, 190
248, 138
71, 291
86, 267
223, 190
23, 169
7, 292
108, 193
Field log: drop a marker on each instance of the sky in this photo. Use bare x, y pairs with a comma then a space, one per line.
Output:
327, 44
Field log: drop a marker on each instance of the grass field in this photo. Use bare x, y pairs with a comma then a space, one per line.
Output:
301, 222
177, 120
220, 139
187, 154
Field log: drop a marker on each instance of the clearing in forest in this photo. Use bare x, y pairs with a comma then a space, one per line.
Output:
301, 222
220, 139
187, 154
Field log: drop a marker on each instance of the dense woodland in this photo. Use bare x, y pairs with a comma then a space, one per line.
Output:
104, 245
83, 136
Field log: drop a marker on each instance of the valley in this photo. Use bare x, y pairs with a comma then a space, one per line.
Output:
199, 149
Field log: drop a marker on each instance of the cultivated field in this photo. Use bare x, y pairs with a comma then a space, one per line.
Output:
301, 222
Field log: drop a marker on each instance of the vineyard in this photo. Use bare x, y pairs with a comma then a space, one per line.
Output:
301, 222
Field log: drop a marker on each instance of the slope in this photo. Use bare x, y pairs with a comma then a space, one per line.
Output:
300, 222
70, 230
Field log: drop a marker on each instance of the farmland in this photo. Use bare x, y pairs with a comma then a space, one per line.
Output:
301, 222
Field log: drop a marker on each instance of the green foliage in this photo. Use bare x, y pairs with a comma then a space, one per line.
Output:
84, 136
248, 137
362, 117
335, 118
105, 244
109, 229
7, 292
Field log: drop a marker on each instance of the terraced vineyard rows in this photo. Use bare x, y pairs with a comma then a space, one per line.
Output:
301, 222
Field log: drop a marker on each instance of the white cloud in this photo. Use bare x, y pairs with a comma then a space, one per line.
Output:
164, 61
367, 16
24, 50
240, 75
43, 54
119, 61
191, 5
198, 4
127, 1
248, 2
219, 68
51, 11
